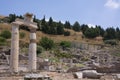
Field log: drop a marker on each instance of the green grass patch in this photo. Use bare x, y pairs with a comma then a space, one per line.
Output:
116, 54
79, 65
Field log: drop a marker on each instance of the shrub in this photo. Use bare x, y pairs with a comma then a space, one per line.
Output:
2, 41
111, 42
91, 33
65, 44
22, 35
84, 59
47, 43
39, 49
59, 54
6, 34
67, 33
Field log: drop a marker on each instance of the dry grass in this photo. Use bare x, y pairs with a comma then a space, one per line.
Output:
74, 36
1, 17
5, 26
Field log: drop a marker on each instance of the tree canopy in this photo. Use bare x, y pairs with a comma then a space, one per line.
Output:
57, 28
76, 26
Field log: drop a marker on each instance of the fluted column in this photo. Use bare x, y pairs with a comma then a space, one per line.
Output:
14, 48
32, 50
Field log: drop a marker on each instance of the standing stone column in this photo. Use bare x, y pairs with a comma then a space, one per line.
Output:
32, 50
14, 56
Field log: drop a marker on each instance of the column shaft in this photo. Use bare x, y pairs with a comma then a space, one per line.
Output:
32, 51
14, 57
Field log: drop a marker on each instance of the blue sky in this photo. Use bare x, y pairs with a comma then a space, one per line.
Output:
93, 12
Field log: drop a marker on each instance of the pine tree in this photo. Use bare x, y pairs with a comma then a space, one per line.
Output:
67, 25
44, 25
118, 33
100, 31
76, 26
91, 33
110, 33
12, 17
60, 29
84, 27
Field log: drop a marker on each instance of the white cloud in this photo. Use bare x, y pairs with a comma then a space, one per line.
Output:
91, 25
113, 4
55, 20
47, 19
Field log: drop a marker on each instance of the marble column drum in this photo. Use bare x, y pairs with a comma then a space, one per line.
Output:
14, 57
32, 50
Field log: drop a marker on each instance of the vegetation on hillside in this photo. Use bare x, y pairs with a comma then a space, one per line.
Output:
52, 28
65, 44
2, 41
5, 34
57, 28
46, 43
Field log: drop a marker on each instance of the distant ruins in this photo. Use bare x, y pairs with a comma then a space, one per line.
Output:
14, 57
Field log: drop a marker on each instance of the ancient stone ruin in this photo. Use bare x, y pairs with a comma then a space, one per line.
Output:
98, 67
14, 57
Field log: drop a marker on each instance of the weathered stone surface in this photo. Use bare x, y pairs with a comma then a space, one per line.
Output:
28, 21
14, 48
32, 56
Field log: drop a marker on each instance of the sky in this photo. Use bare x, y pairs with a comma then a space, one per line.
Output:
105, 13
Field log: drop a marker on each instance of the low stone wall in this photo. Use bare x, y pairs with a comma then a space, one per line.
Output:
11, 78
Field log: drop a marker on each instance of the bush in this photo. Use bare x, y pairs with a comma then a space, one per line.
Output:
84, 59
22, 35
2, 41
47, 43
39, 49
67, 33
65, 44
6, 34
59, 54
111, 42
91, 33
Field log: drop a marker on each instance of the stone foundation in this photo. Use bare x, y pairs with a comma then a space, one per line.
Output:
11, 78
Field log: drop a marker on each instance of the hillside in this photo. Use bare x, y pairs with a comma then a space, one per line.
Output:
82, 52
74, 36
1, 16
